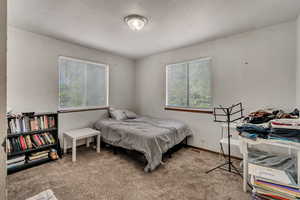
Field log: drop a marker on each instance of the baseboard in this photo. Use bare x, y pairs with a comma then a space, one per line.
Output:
197, 149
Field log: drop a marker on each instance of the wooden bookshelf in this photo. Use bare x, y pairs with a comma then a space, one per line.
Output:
25, 126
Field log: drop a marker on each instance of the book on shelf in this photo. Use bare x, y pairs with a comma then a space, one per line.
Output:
51, 122
12, 128
15, 145
36, 140
11, 145
15, 160
48, 138
39, 155
17, 164
18, 128
27, 142
23, 143
42, 139
27, 123
42, 122
51, 138
21, 124
46, 121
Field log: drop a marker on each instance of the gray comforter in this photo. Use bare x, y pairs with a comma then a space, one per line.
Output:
150, 136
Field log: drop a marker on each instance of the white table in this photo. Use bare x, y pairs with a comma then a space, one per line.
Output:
245, 142
84, 133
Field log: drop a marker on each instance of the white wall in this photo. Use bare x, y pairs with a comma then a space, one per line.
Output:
3, 30
33, 76
267, 80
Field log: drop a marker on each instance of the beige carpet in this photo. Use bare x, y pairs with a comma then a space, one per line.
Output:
106, 176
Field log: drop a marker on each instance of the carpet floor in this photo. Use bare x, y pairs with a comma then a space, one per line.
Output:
106, 176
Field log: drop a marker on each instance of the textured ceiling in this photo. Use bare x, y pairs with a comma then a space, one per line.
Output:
173, 23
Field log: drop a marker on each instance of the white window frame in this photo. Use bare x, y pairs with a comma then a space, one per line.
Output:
106, 66
188, 107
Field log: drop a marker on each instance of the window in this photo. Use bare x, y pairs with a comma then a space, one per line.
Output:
188, 84
82, 84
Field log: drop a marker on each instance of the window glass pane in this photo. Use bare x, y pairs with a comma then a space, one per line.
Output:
72, 83
82, 84
177, 85
96, 85
200, 84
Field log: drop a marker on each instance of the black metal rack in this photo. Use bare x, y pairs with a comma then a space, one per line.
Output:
228, 115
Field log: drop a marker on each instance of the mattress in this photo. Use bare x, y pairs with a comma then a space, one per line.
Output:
150, 136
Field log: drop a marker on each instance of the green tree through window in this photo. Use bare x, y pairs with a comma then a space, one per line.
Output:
189, 84
82, 84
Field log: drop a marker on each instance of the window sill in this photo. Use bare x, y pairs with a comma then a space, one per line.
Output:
189, 110
82, 110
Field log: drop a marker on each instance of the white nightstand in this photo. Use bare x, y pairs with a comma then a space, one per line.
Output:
84, 133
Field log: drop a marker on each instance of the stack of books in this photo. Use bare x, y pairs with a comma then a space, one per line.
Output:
25, 123
272, 190
39, 155
26, 142
272, 184
15, 162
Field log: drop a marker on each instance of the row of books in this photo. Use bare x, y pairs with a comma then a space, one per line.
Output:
272, 184
26, 123
272, 190
27, 142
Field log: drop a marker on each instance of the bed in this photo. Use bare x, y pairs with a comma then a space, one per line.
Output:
150, 136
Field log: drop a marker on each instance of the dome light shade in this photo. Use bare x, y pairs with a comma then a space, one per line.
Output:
135, 22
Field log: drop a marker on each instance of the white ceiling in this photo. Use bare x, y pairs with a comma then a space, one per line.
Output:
172, 23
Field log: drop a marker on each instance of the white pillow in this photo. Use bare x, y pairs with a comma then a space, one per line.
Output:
130, 115
117, 114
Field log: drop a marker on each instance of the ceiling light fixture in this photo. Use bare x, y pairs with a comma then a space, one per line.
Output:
136, 22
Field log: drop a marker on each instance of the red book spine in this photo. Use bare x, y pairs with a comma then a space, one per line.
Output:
38, 140
41, 139
23, 145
